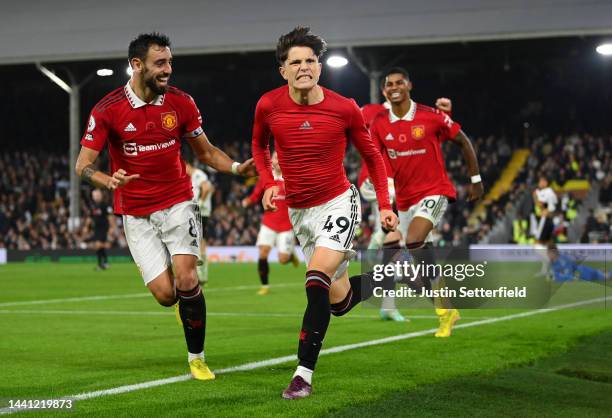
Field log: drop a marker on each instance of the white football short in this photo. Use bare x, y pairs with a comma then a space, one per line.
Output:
155, 238
330, 225
431, 208
283, 241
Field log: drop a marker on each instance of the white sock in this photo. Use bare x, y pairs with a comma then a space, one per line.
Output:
388, 303
304, 373
191, 356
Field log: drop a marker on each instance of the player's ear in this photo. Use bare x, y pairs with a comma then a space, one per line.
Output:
282, 72
409, 85
136, 65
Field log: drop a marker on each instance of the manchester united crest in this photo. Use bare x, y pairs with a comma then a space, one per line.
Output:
169, 120
418, 132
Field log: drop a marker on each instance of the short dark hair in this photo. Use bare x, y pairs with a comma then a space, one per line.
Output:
393, 70
140, 46
300, 36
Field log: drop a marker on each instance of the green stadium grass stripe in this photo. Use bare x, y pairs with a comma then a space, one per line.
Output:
132, 295
280, 360
76, 299
171, 313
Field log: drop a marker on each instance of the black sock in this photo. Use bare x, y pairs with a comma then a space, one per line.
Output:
363, 285
100, 257
104, 256
263, 269
316, 318
192, 309
362, 288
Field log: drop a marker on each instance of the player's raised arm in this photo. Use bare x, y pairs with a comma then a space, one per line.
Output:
210, 155
475, 190
372, 157
94, 141
359, 135
260, 146
445, 105
87, 170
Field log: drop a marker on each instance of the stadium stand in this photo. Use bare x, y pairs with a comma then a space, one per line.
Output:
34, 203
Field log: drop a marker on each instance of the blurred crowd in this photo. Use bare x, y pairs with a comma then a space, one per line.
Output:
34, 204
563, 160
34, 195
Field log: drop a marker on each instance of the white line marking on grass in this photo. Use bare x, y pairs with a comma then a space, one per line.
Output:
132, 295
76, 299
280, 360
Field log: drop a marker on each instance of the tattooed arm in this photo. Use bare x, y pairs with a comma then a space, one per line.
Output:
87, 170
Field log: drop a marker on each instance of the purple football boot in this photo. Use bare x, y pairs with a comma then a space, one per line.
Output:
298, 388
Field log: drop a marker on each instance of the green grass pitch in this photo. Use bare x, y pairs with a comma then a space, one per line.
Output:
91, 331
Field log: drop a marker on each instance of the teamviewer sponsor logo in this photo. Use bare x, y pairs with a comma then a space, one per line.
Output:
411, 152
130, 148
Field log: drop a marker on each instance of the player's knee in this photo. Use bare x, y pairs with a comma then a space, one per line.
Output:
166, 298
186, 279
283, 258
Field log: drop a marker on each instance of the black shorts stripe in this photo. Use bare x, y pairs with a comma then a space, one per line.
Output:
354, 216
198, 216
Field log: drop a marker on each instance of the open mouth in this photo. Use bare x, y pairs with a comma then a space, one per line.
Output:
395, 95
304, 76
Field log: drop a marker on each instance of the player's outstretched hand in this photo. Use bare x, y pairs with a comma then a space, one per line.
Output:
388, 219
475, 191
444, 104
120, 178
247, 168
269, 197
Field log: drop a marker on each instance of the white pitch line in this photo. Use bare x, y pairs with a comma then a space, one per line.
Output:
132, 295
280, 360
75, 299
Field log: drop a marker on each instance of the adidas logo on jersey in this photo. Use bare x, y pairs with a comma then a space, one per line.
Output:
389, 137
306, 125
130, 128
335, 238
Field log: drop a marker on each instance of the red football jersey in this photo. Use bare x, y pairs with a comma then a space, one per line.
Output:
311, 142
370, 110
279, 219
413, 146
145, 138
